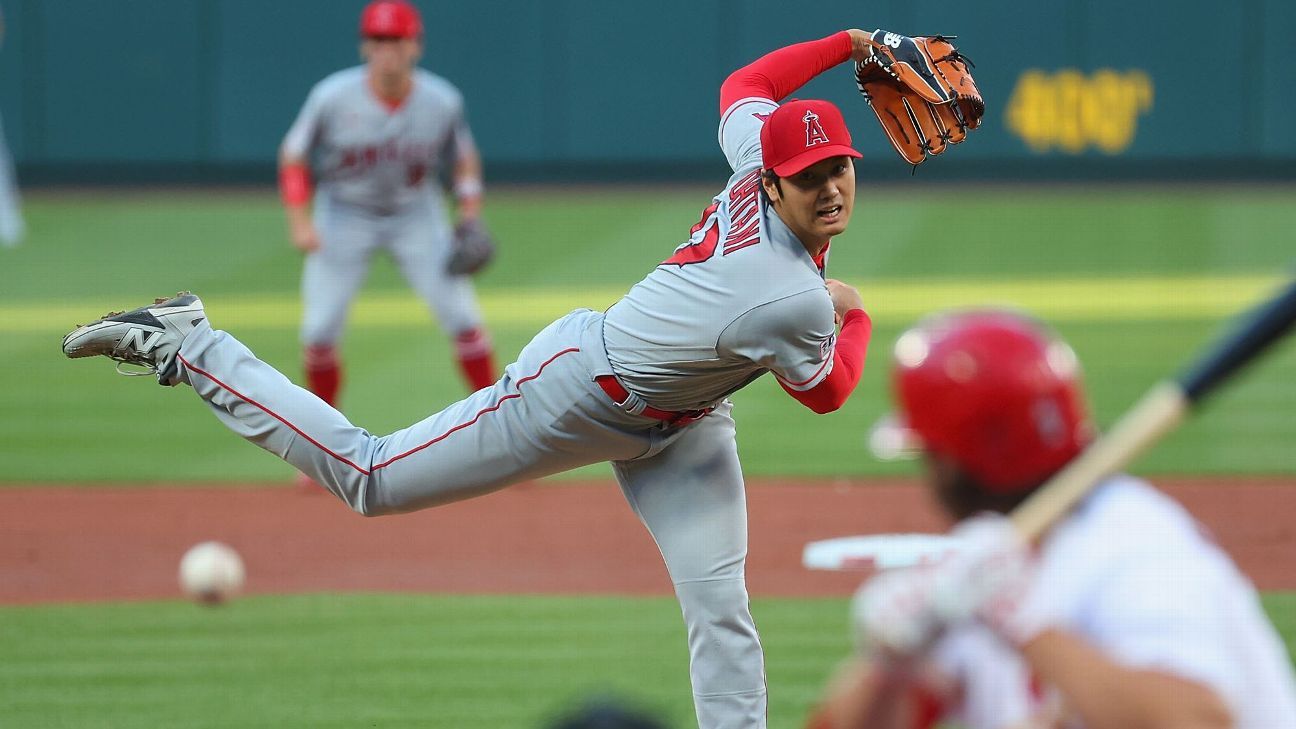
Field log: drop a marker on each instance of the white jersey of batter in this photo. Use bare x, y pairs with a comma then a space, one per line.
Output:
367, 155
739, 298
1134, 574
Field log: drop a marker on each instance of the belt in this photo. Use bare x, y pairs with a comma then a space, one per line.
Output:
620, 395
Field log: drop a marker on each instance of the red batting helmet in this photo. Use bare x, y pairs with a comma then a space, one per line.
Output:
390, 19
995, 391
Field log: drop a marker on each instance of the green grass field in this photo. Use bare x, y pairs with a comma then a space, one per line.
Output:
1137, 279
392, 660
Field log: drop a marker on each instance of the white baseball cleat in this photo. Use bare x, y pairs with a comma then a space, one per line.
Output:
149, 336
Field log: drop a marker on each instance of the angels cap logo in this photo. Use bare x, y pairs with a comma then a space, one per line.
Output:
814, 130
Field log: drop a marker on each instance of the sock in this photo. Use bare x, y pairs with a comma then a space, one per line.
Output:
323, 372
476, 358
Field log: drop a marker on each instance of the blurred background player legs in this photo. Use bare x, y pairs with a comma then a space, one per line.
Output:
381, 140
12, 228
421, 246
331, 276
11, 222
334, 273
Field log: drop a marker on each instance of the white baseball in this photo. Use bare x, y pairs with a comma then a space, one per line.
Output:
211, 573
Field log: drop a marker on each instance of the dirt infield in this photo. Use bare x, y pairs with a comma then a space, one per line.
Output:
75, 544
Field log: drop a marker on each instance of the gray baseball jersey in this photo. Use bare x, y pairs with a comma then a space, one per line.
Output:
367, 155
377, 171
740, 298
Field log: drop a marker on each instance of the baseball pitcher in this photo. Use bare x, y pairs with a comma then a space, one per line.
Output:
371, 140
644, 385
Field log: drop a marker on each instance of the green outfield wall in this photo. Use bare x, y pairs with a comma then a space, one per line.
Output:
569, 89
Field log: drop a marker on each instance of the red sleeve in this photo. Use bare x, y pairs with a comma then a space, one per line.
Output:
779, 73
848, 364
294, 184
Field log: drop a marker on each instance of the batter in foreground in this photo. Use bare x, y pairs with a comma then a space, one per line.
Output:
1125, 614
644, 385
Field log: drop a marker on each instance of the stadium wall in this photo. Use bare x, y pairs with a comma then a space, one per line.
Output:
203, 90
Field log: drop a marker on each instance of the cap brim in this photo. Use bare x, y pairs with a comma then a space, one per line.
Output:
890, 439
813, 155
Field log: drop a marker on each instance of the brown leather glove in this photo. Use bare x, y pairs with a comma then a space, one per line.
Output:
922, 92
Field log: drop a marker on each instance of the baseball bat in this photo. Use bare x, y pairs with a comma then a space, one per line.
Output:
1157, 413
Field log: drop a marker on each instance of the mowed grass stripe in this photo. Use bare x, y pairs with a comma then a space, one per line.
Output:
1160, 298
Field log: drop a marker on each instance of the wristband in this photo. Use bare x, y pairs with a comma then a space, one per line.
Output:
294, 185
468, 188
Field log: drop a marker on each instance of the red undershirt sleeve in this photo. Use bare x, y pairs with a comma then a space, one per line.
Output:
848, 363
779, 73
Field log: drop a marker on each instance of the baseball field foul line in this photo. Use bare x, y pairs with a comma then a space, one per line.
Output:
1075, 299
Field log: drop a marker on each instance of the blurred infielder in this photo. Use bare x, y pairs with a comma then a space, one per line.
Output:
11, 222
1128, 615
375, 138
644, 385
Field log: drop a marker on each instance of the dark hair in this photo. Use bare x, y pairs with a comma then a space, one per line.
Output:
962, 495
768, 175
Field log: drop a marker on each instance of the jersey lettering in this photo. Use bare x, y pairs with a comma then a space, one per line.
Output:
744, 226
744, 188
744, 210
415, 157
695, 249
415, 173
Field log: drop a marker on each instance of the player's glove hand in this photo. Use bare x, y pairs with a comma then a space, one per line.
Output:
473, 248
902, 612
922, 92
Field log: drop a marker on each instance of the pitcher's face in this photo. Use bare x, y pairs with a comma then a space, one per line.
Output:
816, 203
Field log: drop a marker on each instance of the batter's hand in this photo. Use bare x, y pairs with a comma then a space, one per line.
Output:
304, 236
844, 297
902, 612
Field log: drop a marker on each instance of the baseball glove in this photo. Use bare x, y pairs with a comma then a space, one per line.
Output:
473, 248
922, 92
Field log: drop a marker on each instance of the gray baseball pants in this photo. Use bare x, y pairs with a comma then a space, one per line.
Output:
544, 416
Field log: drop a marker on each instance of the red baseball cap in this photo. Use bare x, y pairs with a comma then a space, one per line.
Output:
390, 19
802, 132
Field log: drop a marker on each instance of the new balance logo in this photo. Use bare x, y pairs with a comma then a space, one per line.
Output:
141, 340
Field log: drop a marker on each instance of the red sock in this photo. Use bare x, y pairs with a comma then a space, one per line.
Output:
323, 372
476, 358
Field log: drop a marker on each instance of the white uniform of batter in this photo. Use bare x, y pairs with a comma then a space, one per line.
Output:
1135, 575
